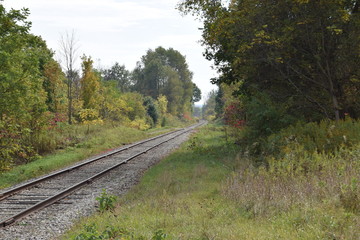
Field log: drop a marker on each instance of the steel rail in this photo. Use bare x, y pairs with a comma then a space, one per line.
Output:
12, 191
79, 185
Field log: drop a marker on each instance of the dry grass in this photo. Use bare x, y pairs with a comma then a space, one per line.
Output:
196, 194
333, 183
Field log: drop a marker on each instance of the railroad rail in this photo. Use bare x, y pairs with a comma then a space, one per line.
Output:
32, 196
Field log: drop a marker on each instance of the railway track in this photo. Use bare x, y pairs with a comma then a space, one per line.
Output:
30, 197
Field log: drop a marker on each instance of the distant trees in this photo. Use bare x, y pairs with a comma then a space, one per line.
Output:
120, 75
165, 72
208, 109
37, 96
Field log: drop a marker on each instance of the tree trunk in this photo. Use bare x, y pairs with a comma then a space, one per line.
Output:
336, 107
70, 100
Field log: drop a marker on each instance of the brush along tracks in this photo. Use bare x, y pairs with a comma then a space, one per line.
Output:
20, 201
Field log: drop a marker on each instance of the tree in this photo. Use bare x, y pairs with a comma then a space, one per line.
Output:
23, 57
197, 112
90, 84
152, 110
55, 87
208, 109
120, 75
302, 53
196, 94
69, 54
163, 104
165, 71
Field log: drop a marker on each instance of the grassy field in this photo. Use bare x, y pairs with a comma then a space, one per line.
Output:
194, 194
102, 138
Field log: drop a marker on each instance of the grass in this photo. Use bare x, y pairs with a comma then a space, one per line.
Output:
192, 194
102, 138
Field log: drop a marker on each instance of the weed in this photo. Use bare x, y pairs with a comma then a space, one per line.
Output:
90, 232
195, 144
159, 235
106, 201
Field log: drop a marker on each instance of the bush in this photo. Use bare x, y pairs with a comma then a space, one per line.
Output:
324, 137
263, 118
140, 124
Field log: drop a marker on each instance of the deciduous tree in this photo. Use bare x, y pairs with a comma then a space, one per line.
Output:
302, 53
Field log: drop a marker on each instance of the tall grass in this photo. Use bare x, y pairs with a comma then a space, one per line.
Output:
302, 182
206, 190
311, 170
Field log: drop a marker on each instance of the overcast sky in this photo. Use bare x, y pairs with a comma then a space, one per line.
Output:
120, 30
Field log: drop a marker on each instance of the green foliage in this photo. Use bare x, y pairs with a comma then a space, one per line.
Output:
196, 94
24, 60
264, 118
300, 53
106, 201
35, 93
120, 75
91, 233
165, 72
159, 235
208, 109
324, 137
136, 107
152, 110
55, 87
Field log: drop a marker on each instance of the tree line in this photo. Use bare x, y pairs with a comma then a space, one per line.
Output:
37, 93
283, 61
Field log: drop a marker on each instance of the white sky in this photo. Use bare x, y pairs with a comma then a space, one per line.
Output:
120, 30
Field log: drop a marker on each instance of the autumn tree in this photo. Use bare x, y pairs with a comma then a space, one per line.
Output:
55, 87
90, 84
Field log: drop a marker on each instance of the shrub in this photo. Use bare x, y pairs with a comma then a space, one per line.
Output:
326, 136
263, 118
140, 124
234, 115
152, 110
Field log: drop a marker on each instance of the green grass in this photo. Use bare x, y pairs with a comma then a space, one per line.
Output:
186, 196
101, 138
